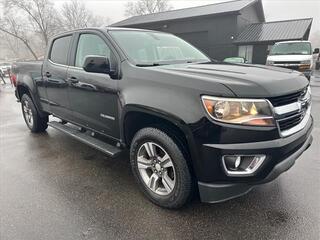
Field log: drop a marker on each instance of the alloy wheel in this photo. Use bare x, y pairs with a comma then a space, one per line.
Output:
27, 112
156, 168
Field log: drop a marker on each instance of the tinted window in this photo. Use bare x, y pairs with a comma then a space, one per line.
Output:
59, 50
90, 44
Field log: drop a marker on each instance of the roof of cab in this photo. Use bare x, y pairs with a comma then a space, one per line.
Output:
106, 28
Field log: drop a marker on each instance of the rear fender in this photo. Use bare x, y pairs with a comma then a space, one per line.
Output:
29, 88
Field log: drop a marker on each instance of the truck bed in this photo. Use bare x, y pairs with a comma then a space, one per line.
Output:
30, 67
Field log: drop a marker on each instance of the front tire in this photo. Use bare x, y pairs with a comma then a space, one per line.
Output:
34, 121
160, 168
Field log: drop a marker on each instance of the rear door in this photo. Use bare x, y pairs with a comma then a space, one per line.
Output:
54, 73
93, 96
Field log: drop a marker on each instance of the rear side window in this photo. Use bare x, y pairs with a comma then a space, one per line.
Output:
59, 50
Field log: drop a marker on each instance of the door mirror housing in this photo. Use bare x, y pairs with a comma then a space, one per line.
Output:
97, 64
316, 51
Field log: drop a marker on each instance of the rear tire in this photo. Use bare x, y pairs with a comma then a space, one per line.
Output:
160, 168
34, 121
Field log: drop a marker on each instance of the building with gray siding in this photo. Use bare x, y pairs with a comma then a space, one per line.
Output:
228, 29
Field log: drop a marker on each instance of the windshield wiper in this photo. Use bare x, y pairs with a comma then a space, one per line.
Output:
148, 64
294, 53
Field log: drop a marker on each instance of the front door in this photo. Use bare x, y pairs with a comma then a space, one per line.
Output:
55, 77
93, 96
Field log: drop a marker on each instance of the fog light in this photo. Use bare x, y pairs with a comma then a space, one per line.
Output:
232, 162
242, 165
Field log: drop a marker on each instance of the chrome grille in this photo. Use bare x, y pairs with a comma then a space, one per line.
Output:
291, 121
287, 63
296, 68
293, 116
287, 99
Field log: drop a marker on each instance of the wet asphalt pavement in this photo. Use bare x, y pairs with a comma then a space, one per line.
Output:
53, 187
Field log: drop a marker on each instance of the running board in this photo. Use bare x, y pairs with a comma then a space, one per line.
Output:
104, 147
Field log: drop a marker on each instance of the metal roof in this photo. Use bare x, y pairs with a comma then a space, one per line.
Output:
275, 31
212, 9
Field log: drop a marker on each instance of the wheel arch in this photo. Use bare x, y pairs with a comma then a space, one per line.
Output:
136, 117
25, 89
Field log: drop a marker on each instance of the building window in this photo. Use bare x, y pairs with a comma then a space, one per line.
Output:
246, 52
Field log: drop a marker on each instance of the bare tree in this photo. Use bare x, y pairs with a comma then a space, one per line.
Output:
33, 22
41, 16
11, 27
142, 7
74, 14
14, 47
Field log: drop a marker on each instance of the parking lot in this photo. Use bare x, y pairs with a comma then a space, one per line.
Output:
53, 187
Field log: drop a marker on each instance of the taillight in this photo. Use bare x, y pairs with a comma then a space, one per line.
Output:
13, 79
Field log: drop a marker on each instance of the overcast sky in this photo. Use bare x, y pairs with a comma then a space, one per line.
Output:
274, 9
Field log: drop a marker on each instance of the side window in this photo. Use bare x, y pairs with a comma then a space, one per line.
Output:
59, 50
90, 44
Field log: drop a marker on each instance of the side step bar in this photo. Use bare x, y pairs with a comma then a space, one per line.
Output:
106, 148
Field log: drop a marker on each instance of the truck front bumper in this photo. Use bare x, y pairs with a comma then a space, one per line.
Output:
306, 71
282, 154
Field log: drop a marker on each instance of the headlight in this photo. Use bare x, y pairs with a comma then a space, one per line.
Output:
307, 95
254, 112
270, 62
306, 62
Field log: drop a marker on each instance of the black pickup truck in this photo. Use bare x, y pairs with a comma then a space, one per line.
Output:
193, 125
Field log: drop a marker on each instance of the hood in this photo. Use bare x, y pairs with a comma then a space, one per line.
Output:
243, 80
289, 58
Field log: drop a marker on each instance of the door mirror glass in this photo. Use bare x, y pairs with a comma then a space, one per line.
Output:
316, 51
97, 64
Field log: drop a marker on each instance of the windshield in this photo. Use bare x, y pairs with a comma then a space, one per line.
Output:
294, 48
154, 48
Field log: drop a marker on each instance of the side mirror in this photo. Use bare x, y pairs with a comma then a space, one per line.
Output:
268, 52
97, 64
316, 51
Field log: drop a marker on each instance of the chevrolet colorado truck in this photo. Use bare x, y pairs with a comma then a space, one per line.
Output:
193, 125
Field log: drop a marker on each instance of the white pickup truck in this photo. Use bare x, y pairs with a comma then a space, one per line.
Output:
296, 55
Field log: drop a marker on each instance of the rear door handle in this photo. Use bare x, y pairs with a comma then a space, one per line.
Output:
73, 80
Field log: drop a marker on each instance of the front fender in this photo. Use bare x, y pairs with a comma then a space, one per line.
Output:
173, 119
